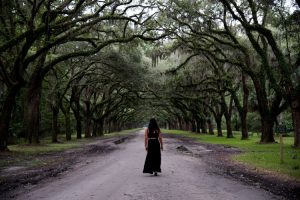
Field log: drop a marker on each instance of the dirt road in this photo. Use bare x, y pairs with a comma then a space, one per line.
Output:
118, 176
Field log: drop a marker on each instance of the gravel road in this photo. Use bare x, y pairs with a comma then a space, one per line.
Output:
118, 176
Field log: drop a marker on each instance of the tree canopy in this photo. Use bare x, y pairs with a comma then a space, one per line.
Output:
93, 66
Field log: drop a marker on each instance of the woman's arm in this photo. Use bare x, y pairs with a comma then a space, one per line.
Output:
146, 139
160, 141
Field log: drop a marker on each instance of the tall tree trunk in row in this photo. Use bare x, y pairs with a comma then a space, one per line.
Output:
5, 115
244, 109
100, 124
267, 121
66, 112
32, 101
32, 108
203, 126
198, 125
218, 112
219, 125
55, 129
228, 114
194, 126
75, 106
296, 119
68, 125
210, 127
87, 119
179, 122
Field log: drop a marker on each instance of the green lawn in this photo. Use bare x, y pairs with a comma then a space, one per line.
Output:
264, 156
122, 133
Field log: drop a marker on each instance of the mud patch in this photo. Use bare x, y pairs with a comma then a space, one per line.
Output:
121, 140
183, 149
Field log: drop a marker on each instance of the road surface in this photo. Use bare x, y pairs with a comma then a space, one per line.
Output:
118, 176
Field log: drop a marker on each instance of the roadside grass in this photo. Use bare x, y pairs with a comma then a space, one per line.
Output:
32, 155
261, 156
122, 133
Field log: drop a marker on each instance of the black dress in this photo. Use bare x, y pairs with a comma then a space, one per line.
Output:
153, 158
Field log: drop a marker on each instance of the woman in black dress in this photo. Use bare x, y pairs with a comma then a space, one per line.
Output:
153, 145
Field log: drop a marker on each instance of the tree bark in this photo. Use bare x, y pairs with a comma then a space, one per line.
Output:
210, 127
194, 126
228, 114
76, 110
5, 116
87, 120
267, 123
203, 126
55, 129
66, 112
295, 107
68, 126
32, 109
229, 127
179, 122
267, 120
244, 110
198, 126
245, 134
100, 127
219, 126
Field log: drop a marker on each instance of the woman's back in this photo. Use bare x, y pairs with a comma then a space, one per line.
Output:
153, 133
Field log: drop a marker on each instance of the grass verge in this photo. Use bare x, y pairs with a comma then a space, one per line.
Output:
263, 156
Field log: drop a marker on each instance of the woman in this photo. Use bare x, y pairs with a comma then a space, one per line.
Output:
153, 145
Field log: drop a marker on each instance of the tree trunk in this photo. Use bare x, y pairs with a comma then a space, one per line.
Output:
66, 112
267, 123
198, 126
87, 120
203, 126
109, 126
32, 109
5, 116
55, 130
295, 107
267, 120
186, 125
244, 109
219, 126
101, 127
228, 115
210, 127
179, 122
76, 111
68, 125
245, 134
194, 126
94, 127
229, 127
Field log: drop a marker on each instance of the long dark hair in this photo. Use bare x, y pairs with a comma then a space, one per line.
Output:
152, 125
